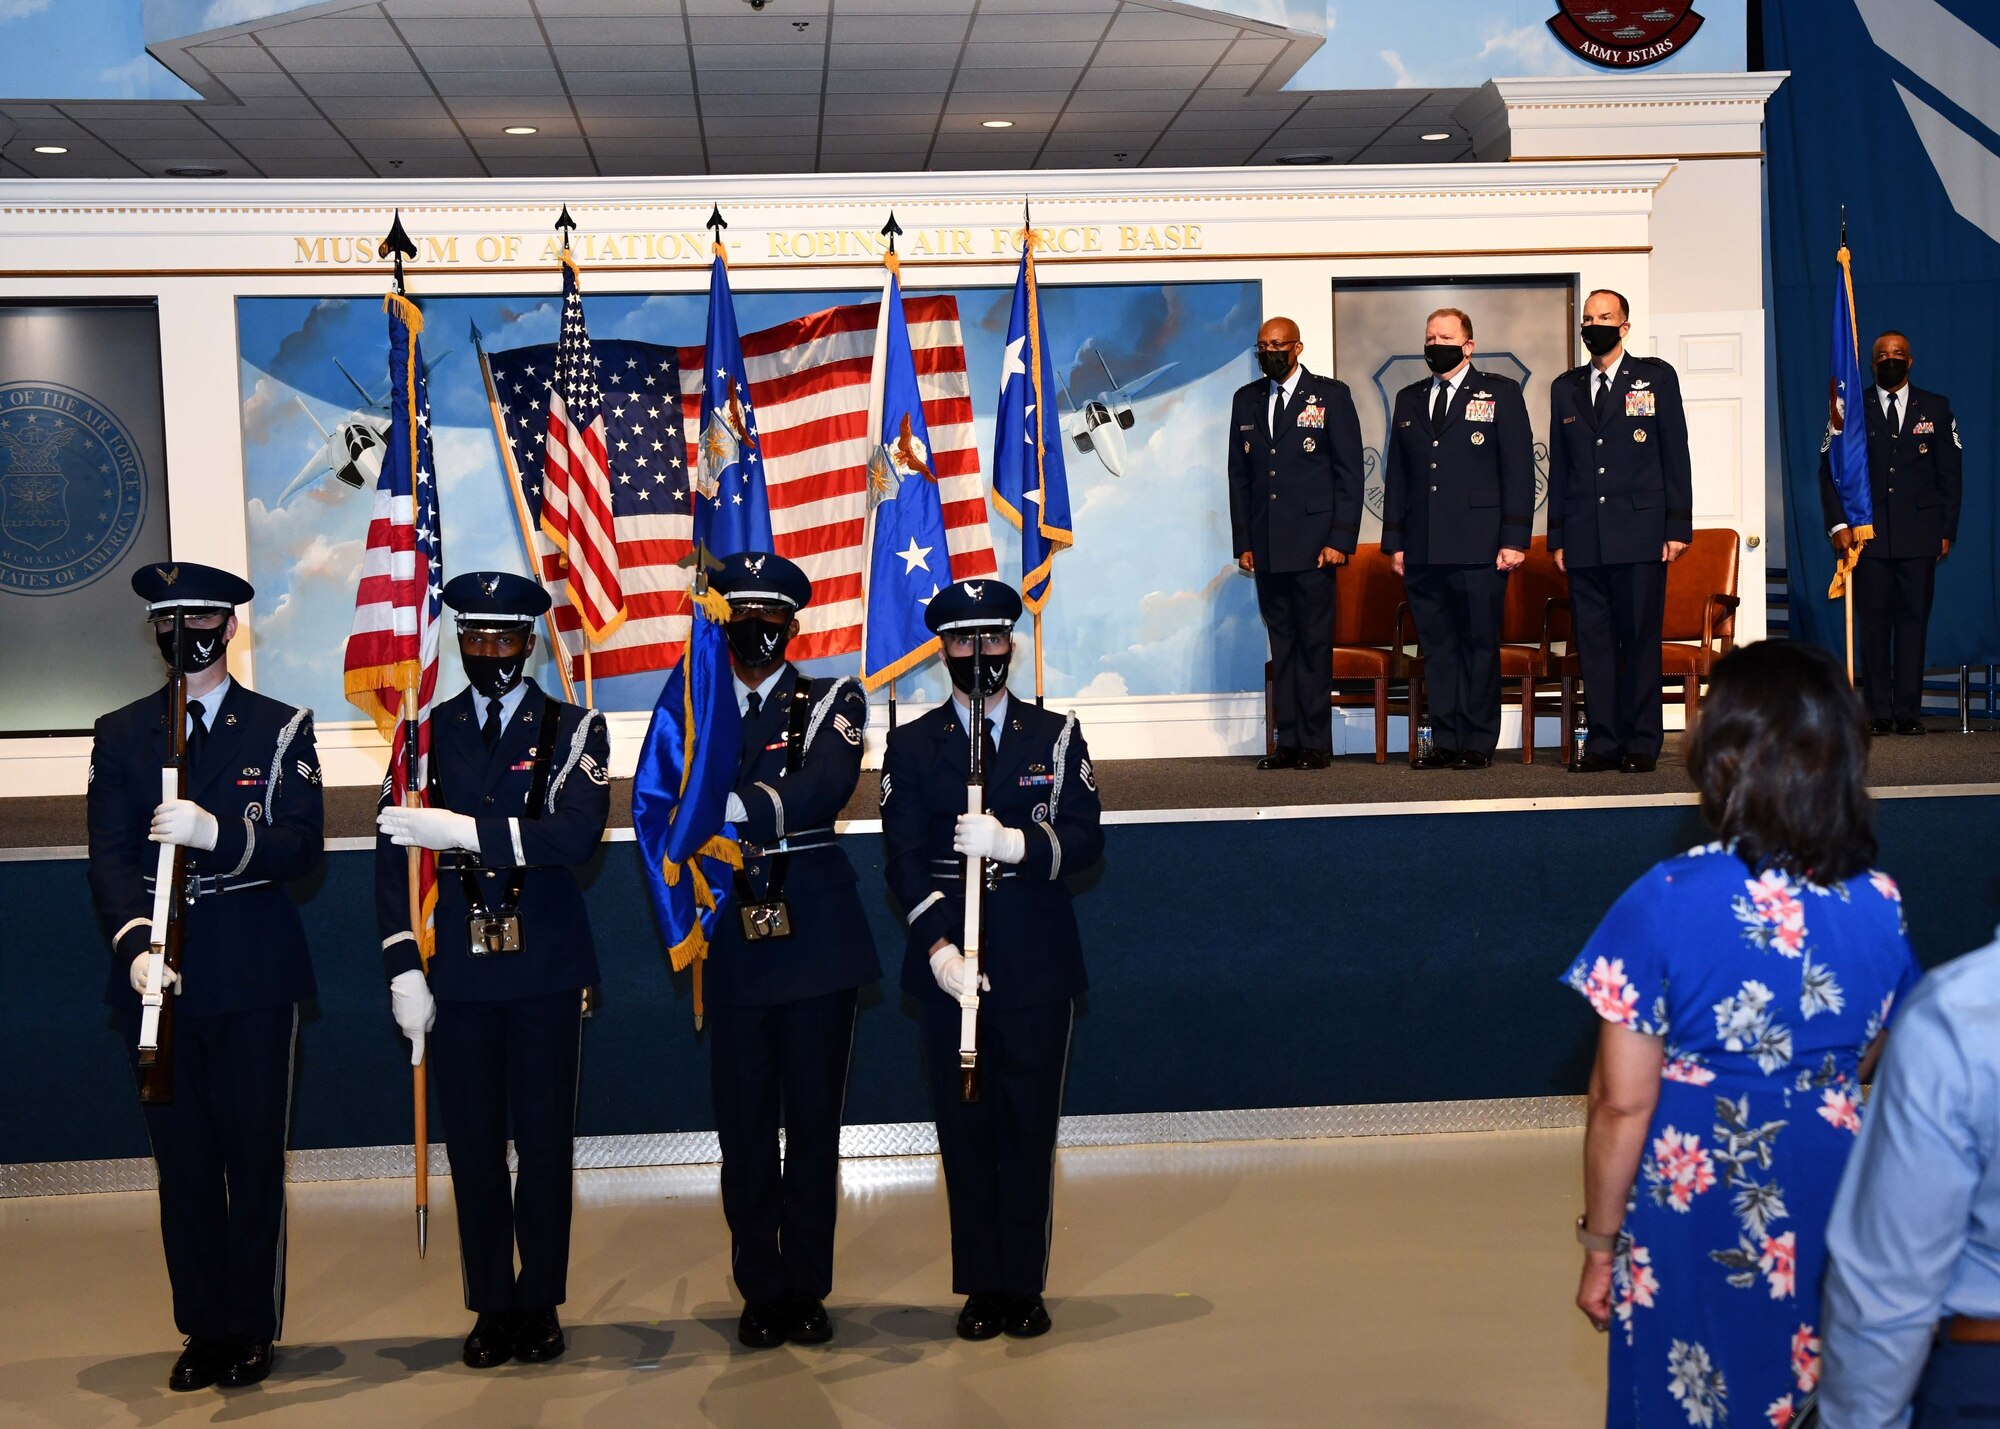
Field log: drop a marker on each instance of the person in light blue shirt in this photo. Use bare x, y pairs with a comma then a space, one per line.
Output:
1912, 1313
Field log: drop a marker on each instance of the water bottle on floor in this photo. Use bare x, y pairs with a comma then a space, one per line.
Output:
1579, 738
1426, 738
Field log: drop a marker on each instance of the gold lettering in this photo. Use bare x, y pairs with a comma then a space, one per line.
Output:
1191, 233
488, 248
826, 243
1093, 240
441, 251
961, 241
513, 248
1128, 238
923, 244
781, 245
309, 250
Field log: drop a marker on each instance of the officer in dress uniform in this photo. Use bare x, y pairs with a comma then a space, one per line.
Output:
251, 821
1294, 516
1621, 508
786, 963
1041, 823
1914, 462
1458, 508
519, 796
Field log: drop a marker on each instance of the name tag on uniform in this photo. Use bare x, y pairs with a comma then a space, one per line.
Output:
1478, 411
1401, 426
1923, 429
1246, 427
1312, 414
1639, 404
1568, 420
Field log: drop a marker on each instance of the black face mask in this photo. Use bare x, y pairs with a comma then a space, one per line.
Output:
1601, 338
1891, 373
204, 647
993, 669
757, 643
494, 675
1277, 365
1441, 357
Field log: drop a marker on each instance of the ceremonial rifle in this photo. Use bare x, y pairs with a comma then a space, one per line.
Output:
975, 883
156, 1004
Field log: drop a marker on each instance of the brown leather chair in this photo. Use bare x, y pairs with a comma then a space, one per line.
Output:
1372, 636
1699, 624
1534, 621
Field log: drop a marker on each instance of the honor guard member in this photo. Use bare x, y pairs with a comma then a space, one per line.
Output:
786, 962
1294, 515
519, 794
250, 821
1914, 462
1457, 515
1041, 823
1621, 509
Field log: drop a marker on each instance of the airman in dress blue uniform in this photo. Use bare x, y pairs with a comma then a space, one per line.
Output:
1621, 509
519, 796
1458, 510
1915, 465
1041, 823
787, 962
1294, 516
251, 821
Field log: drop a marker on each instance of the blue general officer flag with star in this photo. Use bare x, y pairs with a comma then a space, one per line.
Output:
731, 510
1030, 482
1846, 441
905, 561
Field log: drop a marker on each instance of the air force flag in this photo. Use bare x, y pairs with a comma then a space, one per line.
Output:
904, 560
731, 510
1846, 443
1030, 483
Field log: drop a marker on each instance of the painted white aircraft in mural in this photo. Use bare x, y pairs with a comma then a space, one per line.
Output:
352, 452
1099, 425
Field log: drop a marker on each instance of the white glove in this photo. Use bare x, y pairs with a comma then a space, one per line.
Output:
173, 978
986, 836
734, 811
948, 966
438, 829
414, 1008
183, 822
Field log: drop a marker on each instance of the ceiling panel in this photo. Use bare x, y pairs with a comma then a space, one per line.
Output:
512, 58
333, 59
851, 29
995, 27
361, 29
236, 60
457, 9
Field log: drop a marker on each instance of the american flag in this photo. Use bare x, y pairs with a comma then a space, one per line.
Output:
399, 604
576, 496
809, 388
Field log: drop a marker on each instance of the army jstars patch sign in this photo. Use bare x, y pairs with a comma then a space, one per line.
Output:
1624, 34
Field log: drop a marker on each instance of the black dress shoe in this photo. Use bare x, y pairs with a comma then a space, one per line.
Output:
1637, 764
811, 1325
538, 1337
196, 1367
1027, 1317
762, 1324
244, 1362
1283, 757
1881, 726
983, 1317
1910, 726
1473, 759
1595, 764
1436, 759
1314, 759
491, 1341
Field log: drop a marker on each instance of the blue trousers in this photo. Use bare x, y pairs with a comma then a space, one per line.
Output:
1960, 1387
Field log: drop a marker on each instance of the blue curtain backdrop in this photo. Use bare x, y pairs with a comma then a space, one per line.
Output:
1845, 129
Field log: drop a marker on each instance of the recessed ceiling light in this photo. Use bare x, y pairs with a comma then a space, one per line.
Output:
195, 171
50, 149
1305, 158
1433, 138
996, 124
522, 129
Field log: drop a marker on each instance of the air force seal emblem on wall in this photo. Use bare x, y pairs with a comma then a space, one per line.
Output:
1624, 34
72, 489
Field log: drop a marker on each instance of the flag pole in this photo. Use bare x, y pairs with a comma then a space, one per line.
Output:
1041, 477
398, 244
513, 475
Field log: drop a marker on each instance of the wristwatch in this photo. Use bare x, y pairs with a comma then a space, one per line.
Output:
1602, 1244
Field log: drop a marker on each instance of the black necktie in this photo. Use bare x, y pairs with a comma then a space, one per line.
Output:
1277, 405
992, 750
755, 704
197, 732
490, 731
1440, 400
1602, 405
1895, 418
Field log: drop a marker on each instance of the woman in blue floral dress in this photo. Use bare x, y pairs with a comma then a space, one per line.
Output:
1744, 988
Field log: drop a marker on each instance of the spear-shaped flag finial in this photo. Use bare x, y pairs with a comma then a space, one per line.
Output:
716, 222
892, 230
397, 241
564, 224
1843, 225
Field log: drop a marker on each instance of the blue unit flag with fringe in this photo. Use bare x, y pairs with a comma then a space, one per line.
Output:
1030, 482
1846, 441
904, 559
732, 510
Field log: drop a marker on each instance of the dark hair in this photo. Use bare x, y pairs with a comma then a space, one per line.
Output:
1890, 332
1780, 754
1624, 308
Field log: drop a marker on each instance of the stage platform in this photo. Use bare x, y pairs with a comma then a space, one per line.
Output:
1360, 950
